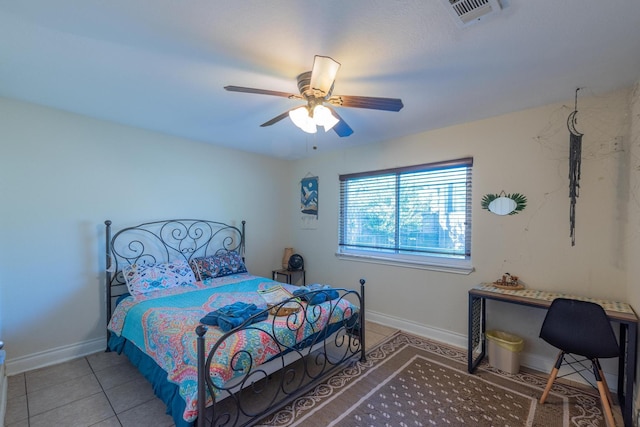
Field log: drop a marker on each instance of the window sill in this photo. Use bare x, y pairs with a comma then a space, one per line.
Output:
433, 264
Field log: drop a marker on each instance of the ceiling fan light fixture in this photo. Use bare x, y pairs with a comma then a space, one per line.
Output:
316, 88
301, 118
322, 117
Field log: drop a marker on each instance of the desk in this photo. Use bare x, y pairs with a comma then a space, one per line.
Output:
617, 312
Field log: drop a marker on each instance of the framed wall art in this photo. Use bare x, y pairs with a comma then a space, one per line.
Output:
309, 201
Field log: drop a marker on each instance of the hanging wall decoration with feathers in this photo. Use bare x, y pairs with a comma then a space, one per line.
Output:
575, 154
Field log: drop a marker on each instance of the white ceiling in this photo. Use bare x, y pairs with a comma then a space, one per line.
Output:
162, 64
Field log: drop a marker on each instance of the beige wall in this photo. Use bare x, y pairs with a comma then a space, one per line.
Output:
524, 152
62, 175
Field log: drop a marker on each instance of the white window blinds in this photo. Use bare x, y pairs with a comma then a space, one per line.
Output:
416, 210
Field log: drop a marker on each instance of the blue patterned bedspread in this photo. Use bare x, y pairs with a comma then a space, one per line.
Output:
162, 324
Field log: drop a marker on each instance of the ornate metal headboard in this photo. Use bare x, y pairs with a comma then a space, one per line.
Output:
164, 241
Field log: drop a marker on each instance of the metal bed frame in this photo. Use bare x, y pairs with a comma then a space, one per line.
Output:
257, 390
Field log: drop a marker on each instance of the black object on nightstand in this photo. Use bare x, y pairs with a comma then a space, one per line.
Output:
295, 262
291, 276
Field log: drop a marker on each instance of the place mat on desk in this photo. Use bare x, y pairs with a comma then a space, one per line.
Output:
620, 307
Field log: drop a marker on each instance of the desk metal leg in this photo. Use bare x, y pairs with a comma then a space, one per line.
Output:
622, 366
627, 369
475, 331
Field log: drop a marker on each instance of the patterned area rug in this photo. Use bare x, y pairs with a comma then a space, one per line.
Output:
411, 381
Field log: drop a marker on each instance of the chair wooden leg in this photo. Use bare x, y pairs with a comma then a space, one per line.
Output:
605, 405
605, 395
604, 381
552, 377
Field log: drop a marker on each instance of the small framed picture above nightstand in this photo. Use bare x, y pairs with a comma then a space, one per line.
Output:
291, 277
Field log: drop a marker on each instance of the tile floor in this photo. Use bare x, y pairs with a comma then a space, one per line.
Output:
99, 390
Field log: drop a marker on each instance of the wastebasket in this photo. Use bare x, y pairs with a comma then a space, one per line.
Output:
504, 351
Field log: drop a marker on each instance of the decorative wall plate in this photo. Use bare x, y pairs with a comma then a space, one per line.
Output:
504, 204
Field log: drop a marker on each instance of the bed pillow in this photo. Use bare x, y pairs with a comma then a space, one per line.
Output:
219, 265
141, 278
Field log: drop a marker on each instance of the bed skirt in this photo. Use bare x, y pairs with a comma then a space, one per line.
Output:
166, 391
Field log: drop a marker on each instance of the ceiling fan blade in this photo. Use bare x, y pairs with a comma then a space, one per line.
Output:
276, 119
341, 128
323, 74
262, 92
373, 103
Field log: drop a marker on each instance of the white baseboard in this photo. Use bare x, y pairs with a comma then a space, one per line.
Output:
441, 335
531, 361
54, 356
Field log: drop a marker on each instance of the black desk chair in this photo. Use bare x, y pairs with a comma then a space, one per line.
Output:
580, 328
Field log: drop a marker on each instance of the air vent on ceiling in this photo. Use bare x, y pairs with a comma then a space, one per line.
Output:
467, 12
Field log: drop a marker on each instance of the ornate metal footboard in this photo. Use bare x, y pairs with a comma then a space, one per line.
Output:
257, 391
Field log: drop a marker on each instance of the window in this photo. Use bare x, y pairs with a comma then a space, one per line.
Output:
417, 215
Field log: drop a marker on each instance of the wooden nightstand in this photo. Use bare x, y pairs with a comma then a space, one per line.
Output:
291, 277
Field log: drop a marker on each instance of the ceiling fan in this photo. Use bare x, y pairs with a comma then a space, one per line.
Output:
315, 88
